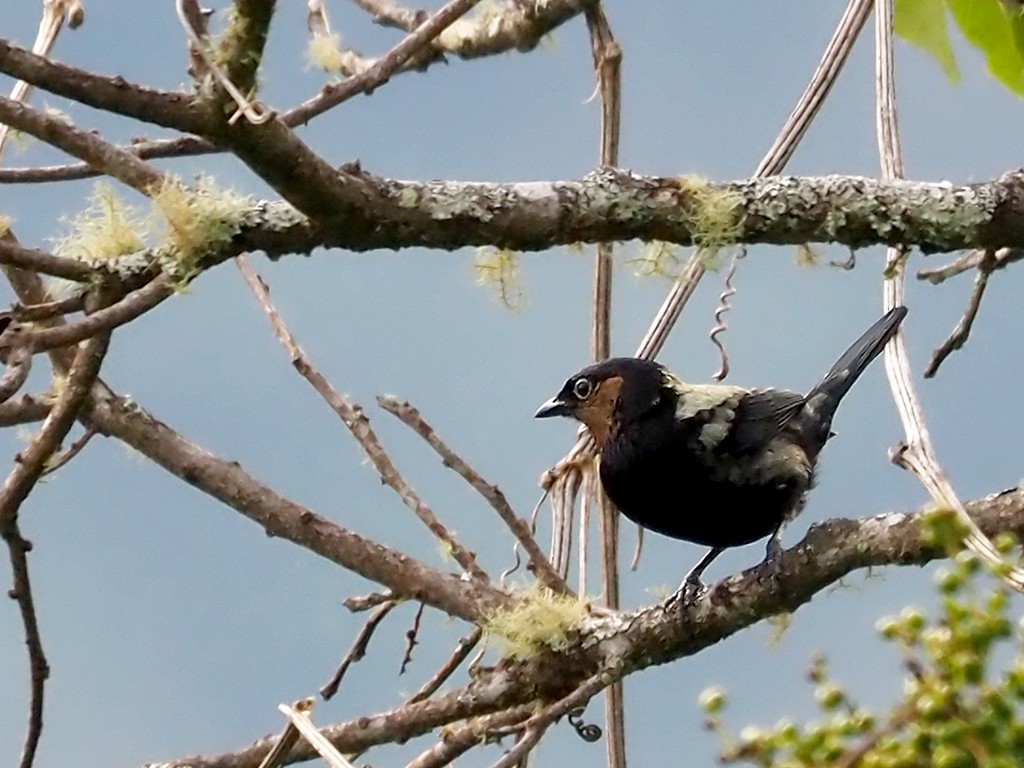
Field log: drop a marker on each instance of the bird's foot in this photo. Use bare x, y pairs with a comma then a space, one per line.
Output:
690, 591
771, 566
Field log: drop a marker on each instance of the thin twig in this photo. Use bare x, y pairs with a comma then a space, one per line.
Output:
366, 602
456, 741
357, 423
412, 639
534, 728
917, 454
968, 261
462, 651
31, 313
27, 470
76, 448
960, 334
411, 417
365, 82
358, 649
123, 311
16, 355
15, 255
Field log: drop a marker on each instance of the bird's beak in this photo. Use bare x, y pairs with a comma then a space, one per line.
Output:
553, 407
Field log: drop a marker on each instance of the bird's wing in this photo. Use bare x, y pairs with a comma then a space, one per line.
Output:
760, 416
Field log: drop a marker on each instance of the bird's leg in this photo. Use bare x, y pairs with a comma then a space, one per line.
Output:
692, 587
773, 553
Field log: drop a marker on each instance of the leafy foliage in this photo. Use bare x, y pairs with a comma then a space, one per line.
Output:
995, 27
956, 710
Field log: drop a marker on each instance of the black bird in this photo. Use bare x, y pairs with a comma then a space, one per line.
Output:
714, 464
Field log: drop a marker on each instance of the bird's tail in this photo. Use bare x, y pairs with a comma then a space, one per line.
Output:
824, 399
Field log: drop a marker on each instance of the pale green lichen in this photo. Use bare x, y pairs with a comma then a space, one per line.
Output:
324, 51
185, 223
540, 619
657, 258
106, 229
806, 256
499, 268
714, 215
192, 221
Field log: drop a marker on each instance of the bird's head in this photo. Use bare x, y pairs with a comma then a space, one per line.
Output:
605, 395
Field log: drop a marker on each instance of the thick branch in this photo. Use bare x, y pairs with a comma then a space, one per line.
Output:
619, 205
84, 145
241, 47
518, 25
621, 644
229, 483
111, 94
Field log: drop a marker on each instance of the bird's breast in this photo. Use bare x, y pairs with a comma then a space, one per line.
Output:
666, 479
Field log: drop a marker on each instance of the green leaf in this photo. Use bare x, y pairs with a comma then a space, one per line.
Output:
923, 23
997, 28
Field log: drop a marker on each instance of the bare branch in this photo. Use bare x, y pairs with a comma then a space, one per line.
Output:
625, 643
917, 454
412, 639
353, 418
366, 602
517, 25
182, 146
410, 416
15, 255
76, 448
358, 650
20, 481
458, 741
110, 94
1000, 259
535, 727
520, 27
228, 482
959, 336
124, 311
25, 410
462, 651
84, 145
382, 70
16, 355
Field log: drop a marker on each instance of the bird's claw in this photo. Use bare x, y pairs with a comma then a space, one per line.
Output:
689, 592
771, 566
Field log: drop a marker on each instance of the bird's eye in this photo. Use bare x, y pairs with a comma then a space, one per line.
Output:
582, 389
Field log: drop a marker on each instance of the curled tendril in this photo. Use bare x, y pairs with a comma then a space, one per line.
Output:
586, 731
724, 306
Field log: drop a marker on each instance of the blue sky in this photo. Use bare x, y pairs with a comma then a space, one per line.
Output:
175, 626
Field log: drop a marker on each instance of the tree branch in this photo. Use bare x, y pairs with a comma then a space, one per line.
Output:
358, 425
228, 482
169, 109
386, 66
518, 25
30, 465
541, 566
617, 645
105, 157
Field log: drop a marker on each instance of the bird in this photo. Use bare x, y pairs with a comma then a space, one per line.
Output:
713, 464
